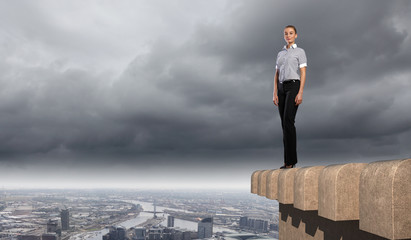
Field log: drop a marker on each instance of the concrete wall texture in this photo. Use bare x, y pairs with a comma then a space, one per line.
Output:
339, 202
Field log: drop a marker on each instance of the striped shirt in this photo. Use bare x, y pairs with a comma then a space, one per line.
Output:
289, 61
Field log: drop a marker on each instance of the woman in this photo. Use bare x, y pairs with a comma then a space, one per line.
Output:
288, 91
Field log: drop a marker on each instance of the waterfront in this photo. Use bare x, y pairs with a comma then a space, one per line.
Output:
144, 216
91, 212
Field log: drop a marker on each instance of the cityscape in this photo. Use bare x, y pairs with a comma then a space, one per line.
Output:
135, 215
144, 120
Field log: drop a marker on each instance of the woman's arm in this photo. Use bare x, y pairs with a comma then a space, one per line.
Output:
299, 97
275, 95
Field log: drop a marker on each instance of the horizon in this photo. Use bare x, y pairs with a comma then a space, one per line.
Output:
208, 188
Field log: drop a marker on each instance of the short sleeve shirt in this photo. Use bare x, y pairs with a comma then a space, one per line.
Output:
289, 61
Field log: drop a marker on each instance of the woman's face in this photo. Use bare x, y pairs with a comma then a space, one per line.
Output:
289, 35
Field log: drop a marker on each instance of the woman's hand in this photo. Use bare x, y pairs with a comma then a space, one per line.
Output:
299, 99
275, 99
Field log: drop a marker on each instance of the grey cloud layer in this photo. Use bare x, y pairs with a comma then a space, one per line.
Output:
209, 96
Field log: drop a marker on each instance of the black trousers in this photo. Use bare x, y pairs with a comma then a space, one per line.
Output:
287, 92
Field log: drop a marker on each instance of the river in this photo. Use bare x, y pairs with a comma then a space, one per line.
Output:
144, 216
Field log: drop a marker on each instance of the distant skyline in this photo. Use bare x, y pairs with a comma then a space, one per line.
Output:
155, 93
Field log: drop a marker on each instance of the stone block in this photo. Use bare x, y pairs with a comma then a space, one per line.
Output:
272, 184
286, 185
295, 224
338, 191
262, 182
385, 199
292, 225
306, 188
254, 181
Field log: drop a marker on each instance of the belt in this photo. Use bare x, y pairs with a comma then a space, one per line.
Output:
291, 80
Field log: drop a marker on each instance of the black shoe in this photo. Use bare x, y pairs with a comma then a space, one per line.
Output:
289, 166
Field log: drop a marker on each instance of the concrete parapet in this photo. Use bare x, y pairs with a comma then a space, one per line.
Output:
348, 201
385, 199
286, 185
254, 181
338, 191
262, 182
295, 224
272, 184
306, 188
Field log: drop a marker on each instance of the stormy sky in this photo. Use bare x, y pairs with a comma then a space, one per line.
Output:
179, 93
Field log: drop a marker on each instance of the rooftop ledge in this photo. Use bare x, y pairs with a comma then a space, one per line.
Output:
347, 201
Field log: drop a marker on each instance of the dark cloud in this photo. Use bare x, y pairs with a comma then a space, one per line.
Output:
207, 97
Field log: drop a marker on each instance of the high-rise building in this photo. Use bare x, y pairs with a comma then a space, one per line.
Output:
177, 235
121, 233
49, 236
168, 233
205, 228
261, 225
65, 217
274, 227
112, 233
52, 226
168, 230
243, 222
115, 233
258, 225
154, 234
140, 233
187, 235
170, 221
251, 223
